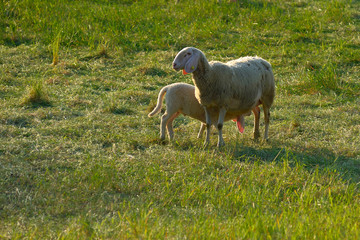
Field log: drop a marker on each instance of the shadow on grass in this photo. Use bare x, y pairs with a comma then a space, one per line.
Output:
319, 158
14, 41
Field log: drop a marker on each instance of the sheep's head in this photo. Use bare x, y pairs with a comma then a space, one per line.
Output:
187, 59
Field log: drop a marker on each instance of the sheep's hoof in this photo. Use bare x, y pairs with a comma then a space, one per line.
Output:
206, 144
220, 144
256, 135
162, 140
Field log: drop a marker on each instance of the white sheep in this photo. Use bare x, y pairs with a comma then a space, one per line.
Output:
180, 99
235, 87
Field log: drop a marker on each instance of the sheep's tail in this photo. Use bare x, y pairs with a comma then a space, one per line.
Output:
159, 102
266, 64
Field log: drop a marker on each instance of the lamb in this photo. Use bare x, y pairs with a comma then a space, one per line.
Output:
180, 98
235, 87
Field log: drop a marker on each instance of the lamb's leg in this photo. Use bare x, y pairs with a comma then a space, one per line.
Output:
256, 112
220, 124
208, 125
201, 131
267, 121
164, 119
169, 125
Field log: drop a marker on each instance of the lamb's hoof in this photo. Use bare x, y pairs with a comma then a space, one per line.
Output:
220, 144
162, 141
206, 144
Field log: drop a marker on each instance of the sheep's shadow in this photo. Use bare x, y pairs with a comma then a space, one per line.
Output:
347, 167
276, 150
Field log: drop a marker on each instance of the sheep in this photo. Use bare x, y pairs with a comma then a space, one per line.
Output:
234, 87
180, 98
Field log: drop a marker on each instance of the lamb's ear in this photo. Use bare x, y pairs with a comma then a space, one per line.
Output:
192, 63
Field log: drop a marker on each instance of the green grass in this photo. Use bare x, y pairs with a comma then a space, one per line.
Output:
36, 96
79, 158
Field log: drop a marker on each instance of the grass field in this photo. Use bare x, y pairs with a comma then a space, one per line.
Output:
80, 159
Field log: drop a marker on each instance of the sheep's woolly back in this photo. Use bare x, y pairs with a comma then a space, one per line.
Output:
237, 85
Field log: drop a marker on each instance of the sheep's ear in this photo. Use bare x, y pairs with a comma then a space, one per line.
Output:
192, 63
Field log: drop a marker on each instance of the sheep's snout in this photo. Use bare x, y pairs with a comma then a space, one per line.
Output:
176, 66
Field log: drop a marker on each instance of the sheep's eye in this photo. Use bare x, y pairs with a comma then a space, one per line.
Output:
187, 54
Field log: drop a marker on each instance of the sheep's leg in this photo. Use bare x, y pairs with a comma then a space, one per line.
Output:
169, 125
208, 125
267, 121
164, 119
201, 131
220, 124
164, 123
256, 112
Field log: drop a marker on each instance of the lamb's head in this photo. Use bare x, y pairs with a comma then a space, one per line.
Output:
187, 59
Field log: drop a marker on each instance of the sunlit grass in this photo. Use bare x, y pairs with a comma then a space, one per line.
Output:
55, 49
79, 158
36, 95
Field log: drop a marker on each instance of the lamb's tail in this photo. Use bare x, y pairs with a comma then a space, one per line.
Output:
159, 102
